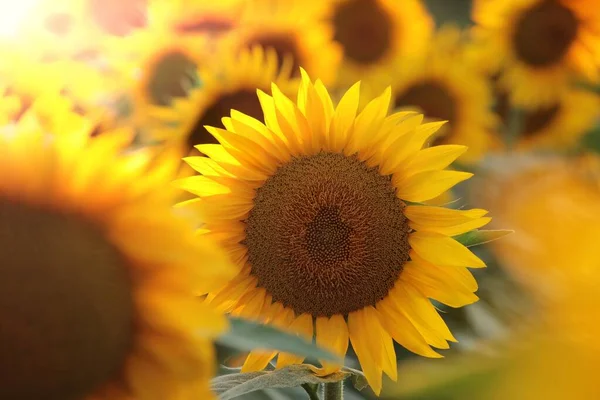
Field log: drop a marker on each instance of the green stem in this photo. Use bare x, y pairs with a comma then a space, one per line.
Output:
312, 392
334, 390
515, 127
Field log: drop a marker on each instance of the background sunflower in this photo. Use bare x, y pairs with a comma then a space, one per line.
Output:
92, 280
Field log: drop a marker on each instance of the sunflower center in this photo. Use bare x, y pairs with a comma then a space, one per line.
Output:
167, 78
65, 306
327, 235
364, 30
242, 100
284, 47
537, 120
545, 33
432, 99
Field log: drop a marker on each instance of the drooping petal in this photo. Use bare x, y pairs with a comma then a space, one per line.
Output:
332, 334
367, 348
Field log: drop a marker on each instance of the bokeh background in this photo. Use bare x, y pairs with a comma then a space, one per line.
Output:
516, 79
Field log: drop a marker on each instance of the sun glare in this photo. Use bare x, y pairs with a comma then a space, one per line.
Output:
13, 14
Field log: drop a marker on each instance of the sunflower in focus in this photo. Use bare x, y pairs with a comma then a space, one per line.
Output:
558, 125
543, 45
230, 83
99, 280
318, 209
444, 86
295, 32
374, 33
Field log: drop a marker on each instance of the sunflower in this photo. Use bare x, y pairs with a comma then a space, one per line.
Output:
549, 251
52, 90
229, 83
373, 33
296, 33
317, 207
543, 44
444, 86
558, 125
99, 276
156, 66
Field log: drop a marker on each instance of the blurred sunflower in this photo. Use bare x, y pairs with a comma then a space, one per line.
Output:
97, 296
229, 83
28, 86
374, 33
317, 209
558, 125
295, 32
156, 66
444, 86
54, 89
550, 250
542, 44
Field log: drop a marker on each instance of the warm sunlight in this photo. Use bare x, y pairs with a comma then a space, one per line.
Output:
13, 14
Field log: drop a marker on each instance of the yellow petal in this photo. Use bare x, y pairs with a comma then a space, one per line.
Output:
370, 120
302, 326
368, 351
404, 147
403, 331
443, 250
343, 118
419, 310
441, 216
427, 185
205, 166
332, 334
432, 158
201, 186
453, 286
453, 230
258, 360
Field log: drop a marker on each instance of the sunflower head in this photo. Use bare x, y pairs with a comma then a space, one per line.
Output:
445, 85
557, 125
295, 31
372, 33
232, 85
541, 44
318, 207
96, 265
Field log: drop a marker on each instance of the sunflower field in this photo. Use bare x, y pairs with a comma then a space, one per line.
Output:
299, 199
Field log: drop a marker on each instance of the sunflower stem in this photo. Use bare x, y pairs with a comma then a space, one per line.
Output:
515, 127
333, 390
311, 391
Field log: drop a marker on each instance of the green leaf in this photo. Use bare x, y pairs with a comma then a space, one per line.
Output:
478, 237
233, 385
591, 140
465, 376
248, 335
